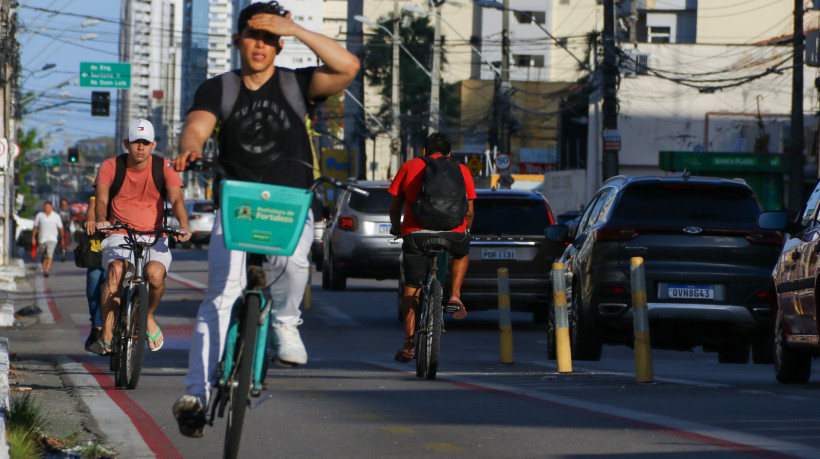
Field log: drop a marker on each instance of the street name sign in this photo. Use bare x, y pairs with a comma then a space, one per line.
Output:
50, 161
116, 75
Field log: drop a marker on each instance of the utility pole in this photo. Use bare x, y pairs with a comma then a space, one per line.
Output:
633, 22
796, 134
435, 71
354, 115
505, 78
395, 128
610, 105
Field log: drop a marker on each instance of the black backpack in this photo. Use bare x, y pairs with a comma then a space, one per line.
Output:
119, 177
88, 253
442, 200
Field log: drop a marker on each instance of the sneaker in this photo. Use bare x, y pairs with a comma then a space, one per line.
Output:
288, 343
92, 337
190, 413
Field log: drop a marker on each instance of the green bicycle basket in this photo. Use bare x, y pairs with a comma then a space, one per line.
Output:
262, 218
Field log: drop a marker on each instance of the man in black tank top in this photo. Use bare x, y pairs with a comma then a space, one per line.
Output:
262, 138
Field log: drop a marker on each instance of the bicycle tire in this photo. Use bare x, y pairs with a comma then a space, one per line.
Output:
113, 357
428, 335
239, 392
130, 361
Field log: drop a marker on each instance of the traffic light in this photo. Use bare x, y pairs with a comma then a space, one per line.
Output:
73, 155
100, 103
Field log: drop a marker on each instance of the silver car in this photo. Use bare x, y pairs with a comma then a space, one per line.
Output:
357, 240
201, 213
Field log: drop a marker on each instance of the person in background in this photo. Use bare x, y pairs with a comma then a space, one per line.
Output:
48, 229
66, 214
94, 277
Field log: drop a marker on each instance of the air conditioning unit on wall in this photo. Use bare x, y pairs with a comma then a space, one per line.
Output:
634, 63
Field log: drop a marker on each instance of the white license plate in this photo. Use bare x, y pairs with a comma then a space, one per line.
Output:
498, 254
697, 292
384, 228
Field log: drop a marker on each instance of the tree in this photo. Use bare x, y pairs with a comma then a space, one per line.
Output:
416, 34
28, 141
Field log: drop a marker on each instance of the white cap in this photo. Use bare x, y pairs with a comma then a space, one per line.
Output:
140, 129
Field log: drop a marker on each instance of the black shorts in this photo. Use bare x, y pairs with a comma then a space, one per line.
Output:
414, 258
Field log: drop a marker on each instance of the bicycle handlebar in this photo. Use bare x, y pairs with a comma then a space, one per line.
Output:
205, 164
133, 233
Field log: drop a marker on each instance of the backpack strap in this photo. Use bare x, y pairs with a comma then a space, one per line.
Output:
293, 94
119, 178
231, 82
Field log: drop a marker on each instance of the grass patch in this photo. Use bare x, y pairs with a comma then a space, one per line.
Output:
26, 420
25, 433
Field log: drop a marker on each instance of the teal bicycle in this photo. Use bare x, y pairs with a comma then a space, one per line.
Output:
259, 219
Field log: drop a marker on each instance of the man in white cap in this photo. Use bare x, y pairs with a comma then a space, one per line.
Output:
135, 196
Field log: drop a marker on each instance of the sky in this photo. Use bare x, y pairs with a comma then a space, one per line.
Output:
65, 35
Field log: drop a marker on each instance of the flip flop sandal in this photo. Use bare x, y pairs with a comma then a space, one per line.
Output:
154, 339
100, 348
457, 308
406, 353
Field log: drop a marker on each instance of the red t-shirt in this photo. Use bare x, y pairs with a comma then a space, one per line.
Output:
407, 184
138, 203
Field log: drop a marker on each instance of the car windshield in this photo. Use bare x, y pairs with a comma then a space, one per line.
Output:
687, 205
378, 202
509, 216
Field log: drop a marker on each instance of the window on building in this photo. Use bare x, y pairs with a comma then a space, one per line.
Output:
528, 60
531, 17
659, 34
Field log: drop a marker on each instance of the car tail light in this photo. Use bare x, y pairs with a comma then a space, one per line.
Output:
765, 238
763, 295
615, 234
347, 223
615, 290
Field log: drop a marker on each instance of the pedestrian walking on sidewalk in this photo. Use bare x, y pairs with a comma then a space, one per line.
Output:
48, 229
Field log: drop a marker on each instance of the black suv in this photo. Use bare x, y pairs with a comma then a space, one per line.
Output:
508, 231
707, 266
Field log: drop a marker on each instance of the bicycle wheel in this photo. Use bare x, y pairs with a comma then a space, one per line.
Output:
239, 385
133, 341
428, 335
113, 357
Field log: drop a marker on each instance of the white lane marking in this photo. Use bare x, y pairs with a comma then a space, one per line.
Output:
688, 382
705, 430
120, 432
41, 300
187, 282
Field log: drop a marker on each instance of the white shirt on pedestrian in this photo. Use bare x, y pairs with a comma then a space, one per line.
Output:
48, 227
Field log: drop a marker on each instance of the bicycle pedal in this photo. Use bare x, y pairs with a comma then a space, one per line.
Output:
260, 401
451, 308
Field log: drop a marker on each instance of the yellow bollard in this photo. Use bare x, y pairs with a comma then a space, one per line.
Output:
307, 298
504, 319
563, 354
640, 323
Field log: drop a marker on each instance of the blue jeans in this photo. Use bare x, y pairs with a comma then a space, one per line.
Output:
94, 279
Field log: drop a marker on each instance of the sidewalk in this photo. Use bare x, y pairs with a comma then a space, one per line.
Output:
28, 366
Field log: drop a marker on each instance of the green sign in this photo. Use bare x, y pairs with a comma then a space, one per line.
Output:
721, 161
116, 75
50, 161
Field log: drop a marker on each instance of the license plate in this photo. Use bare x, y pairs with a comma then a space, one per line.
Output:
697, 292
384, 228
498, 254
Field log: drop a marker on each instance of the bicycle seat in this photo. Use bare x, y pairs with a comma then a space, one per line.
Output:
434, 243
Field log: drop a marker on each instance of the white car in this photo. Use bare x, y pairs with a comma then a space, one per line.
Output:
201, 213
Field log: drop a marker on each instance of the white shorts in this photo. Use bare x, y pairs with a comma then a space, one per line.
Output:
112, 251
47, 248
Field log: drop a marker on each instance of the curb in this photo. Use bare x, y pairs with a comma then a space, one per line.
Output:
8, 283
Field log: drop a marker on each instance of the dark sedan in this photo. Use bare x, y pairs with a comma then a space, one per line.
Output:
707, 266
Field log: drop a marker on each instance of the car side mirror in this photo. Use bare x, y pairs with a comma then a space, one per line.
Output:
557, 233
773, 220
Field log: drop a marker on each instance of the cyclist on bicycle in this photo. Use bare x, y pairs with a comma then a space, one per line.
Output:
263, 139
405, 188
139, 204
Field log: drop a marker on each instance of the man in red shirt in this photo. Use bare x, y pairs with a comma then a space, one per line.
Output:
139, 204
405, 187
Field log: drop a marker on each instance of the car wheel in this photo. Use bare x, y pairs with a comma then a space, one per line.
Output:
734, 352
326, 276
585, 336
790, 366
763, 348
